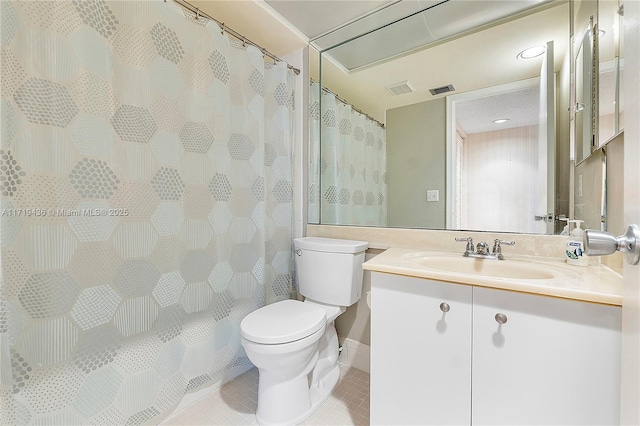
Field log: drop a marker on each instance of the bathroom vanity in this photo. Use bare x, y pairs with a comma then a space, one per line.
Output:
469, 346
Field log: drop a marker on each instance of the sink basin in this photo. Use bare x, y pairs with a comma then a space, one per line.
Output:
512, 269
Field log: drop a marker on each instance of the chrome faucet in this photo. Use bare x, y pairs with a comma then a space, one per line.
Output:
481, 251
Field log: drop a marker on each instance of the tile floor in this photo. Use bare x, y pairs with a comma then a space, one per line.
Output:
235, 403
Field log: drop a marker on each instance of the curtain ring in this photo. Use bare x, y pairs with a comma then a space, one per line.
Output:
244, 42
222, 32
197, 13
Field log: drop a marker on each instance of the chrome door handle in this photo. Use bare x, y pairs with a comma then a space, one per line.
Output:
599, 243
548, 217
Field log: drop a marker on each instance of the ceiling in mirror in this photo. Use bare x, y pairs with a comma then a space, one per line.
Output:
361, 33
484, 57
439, 22
519, 108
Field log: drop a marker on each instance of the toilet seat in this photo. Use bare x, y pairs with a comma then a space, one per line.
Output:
282, 322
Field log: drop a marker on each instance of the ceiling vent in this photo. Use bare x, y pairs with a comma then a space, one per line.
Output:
443, 89
400, 88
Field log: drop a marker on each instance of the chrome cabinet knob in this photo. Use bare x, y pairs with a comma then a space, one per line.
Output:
501, 318
444, 307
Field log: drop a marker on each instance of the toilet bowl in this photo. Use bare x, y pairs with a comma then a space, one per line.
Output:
281, 340
294, 344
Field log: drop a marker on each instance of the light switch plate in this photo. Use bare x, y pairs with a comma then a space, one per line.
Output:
433, 195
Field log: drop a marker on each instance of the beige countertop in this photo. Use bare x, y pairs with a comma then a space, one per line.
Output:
595, 283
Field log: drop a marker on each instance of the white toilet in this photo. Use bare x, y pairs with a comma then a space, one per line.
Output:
294, 344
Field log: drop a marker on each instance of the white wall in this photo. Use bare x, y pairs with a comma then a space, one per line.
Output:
500, 184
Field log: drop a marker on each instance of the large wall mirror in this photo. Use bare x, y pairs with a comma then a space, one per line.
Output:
435, 115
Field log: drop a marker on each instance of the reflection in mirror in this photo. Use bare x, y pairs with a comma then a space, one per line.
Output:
610, 111
352, 163
611, 66
501, 155
496, 168
585, 137
416, 120
607, 100
607, 71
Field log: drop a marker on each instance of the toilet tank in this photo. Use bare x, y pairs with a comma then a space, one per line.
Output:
330, 270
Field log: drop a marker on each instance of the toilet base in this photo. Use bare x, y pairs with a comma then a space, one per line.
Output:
291, 401
318, 395
323, 389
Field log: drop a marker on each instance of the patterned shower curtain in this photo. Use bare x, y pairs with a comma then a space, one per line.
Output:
145, 207
347, 171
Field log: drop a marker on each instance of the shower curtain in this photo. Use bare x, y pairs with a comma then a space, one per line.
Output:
146, 207
347, 171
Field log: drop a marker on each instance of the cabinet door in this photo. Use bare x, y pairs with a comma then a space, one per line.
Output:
554, 361
420, 355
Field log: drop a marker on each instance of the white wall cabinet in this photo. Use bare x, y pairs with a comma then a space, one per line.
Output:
553, 361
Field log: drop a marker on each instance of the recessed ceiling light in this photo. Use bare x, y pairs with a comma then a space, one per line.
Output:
500, 120
531, 52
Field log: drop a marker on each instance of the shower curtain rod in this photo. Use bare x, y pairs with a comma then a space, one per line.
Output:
325, 90
237, 35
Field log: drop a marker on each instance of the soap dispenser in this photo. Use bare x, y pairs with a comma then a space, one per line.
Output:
575, 246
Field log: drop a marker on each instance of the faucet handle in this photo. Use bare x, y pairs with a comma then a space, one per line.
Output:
497, 249
469, 241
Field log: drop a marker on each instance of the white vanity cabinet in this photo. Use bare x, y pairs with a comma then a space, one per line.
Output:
552, 361
420, 355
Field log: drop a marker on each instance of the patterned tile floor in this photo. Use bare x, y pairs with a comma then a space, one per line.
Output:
235, 403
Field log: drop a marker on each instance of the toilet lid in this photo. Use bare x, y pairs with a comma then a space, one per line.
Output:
282, 322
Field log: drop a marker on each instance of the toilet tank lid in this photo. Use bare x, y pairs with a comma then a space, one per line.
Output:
330, 245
